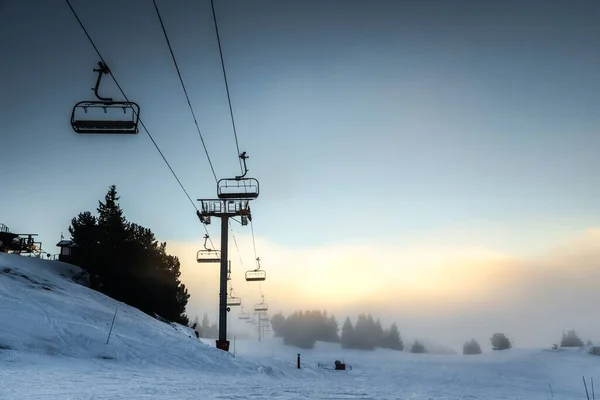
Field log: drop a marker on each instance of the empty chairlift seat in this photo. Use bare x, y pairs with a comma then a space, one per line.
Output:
105, 117
244, 315
261, 307
208, 256
234, 301
256, 275
237, 188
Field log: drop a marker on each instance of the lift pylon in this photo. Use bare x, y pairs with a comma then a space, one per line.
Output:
234, 203
105, 115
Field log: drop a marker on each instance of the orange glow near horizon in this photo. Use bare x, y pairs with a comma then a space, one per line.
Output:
346, 276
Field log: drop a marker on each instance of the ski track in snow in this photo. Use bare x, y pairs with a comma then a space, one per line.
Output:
53, 346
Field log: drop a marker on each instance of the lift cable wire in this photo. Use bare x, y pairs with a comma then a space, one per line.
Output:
164, 30
126, 99
236, 246
241, 262
162, 25
255, 254
253, 241
212, 4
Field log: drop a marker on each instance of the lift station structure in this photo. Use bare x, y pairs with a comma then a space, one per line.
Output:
233, 200
18, 243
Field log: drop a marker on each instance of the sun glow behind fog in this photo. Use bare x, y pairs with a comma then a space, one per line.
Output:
341, 275
445, 293
338, 275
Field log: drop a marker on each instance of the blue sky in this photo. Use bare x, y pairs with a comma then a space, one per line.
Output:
372, 119
364, 121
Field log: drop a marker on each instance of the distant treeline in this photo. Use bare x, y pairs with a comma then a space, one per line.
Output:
304, 328
206, 329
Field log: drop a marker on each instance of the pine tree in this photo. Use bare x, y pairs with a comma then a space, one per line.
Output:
500, 342
84, 233
125, 261
418, 347
571, 339
378, 334
278, 325
347, 338
213, 332
363, 333
332, 330
113, 236
393, 340
205, 324
471, 347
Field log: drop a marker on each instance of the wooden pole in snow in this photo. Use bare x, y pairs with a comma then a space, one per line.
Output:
111, 325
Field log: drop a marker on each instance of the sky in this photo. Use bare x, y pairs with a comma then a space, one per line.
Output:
434, 163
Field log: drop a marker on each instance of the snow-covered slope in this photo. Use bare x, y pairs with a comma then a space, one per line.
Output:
44, 312
53, 335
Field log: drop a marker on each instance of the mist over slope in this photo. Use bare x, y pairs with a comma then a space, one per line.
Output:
53, 334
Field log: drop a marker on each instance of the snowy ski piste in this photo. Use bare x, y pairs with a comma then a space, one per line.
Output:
53, 334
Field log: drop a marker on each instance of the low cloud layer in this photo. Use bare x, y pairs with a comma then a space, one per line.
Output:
444, 294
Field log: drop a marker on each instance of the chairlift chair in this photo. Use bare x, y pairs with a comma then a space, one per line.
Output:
105, 116
207, 255
244, 315
256, 275
233, 301
239, 187
262, 306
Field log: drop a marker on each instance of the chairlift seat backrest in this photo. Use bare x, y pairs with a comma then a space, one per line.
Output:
234, 301
256, 275
232, 188
208, 256
105, 117
261, 307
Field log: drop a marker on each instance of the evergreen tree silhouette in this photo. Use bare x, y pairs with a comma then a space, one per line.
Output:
347, 339
125, 261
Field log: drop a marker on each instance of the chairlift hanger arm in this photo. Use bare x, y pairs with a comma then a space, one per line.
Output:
101, 71
243, 157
